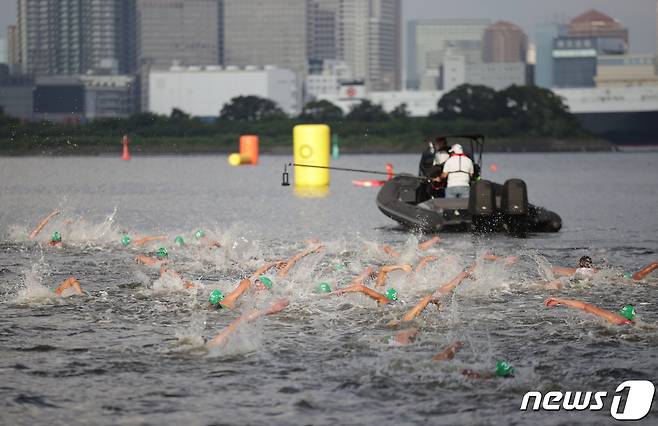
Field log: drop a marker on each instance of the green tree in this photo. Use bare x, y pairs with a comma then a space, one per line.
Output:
321, 110
468, 101
400, 111
178, 115
251, 108
368, 112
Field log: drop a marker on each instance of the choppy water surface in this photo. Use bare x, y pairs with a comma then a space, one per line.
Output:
131, 349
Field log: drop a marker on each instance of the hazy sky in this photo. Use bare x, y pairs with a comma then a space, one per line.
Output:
638, 15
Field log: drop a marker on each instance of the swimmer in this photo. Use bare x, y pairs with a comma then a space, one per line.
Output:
584, 269
56, 240
152, 261
70, 282
503, 369
202, 238
296, 258
431, 298
145, 240
223, 335
423, 261
391, 295
449, 352
386, 269
610, 317
42, 224
232, 298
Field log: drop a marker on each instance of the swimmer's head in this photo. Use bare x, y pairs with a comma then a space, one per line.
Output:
585, 262
216, 296
162, 253
324, 288
199, 234
503, 369
56, 237
391, 294
125, 240
628, 312
265, 281
628, 275
179, 240
340, 266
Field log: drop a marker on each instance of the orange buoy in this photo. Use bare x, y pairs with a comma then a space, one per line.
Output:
126, 154
493, 167
368, 183
249, 148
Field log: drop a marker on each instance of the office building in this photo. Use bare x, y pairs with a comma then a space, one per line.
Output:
370, 41
545, 37
323, 27
184, 32
66, 37
504, 42
12, 48
428, 42
203, 91
497, 75
267, 32
16, 95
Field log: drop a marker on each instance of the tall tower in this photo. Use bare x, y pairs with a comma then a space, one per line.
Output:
504, 42
370, 41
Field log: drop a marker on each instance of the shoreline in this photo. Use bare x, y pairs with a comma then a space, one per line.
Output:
149, 147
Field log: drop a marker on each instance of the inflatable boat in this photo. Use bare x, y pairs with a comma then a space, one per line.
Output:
414, 203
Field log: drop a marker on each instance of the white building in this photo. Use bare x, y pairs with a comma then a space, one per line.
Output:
203, 91
328, 81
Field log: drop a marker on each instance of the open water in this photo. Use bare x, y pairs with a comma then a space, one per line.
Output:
131, 351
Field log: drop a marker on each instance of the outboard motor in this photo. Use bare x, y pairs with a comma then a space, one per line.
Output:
514, 206
482, 205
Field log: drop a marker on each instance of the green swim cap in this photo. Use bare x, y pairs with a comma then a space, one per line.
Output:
628, 312
628, 275
392, 294
125, 240
265, 281
503, 369
216, 296
162, 252
340, 266
324, 288
199, 234
179, 240
56, 237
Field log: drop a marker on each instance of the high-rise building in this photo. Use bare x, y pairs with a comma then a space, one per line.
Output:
267, 32
184, 32
429, 40
323, 25
74, 37
370, 41
546, 34
504, 42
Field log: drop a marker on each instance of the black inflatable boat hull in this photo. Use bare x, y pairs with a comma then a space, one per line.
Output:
405, 200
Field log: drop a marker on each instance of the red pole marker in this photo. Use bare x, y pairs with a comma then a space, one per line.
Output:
126, 153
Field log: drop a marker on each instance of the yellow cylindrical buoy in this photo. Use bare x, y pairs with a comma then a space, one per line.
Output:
311, 146
236, 159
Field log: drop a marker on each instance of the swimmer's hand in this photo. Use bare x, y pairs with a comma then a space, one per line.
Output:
552, 302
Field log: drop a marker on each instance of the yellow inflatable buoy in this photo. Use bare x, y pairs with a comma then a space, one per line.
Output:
311, 146
236, 159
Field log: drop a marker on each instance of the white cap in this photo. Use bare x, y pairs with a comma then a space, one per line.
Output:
457, 149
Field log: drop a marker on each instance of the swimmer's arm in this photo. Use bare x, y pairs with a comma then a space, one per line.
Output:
645, 271
231, 299
222, 336
558, 270
383, 272
611, 317
420, 307
359, 279
360, 288
144, 240
452, 284
449, 352
389, 250
429, 243
70, 282
43, 223
260, 271
424, 261
509, 260
291, 262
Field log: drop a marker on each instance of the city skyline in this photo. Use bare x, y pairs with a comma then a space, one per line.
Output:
640, 18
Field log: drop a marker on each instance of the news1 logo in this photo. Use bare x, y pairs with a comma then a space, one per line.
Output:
632, 400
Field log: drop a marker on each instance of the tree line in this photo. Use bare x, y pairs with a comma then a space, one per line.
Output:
518, 111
